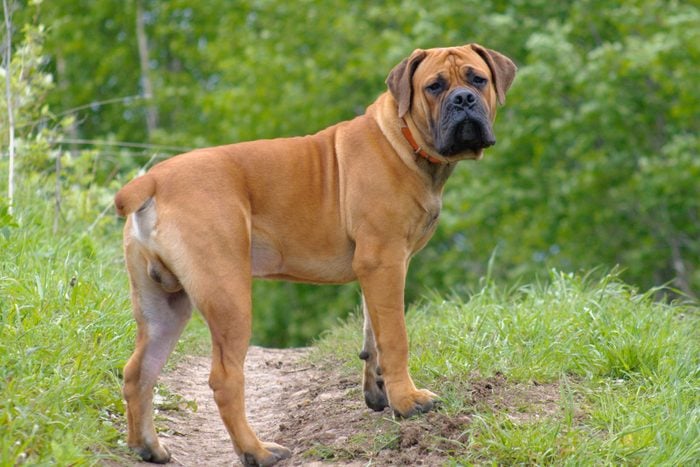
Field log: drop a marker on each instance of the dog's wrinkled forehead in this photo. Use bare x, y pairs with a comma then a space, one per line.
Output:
470, 65
452, 64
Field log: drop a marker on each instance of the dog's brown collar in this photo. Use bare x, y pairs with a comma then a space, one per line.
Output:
417, 149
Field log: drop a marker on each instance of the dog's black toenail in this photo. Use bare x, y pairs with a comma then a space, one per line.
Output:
364, 355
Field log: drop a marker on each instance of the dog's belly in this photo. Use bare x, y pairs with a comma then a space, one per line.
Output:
329, 267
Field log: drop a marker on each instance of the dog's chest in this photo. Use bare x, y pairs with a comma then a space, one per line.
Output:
431, 222
425, 229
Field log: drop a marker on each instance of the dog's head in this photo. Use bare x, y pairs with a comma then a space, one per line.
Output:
451, 95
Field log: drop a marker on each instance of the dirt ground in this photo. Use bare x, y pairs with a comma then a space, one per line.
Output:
321, 416
282, 391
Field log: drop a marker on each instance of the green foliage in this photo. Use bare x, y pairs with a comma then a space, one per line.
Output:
29, 84
597, 155
287, 315
65, 332
597, 164
64, 328
627, 365
597, 160
29, 87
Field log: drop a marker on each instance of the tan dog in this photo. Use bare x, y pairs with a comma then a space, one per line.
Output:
352, 202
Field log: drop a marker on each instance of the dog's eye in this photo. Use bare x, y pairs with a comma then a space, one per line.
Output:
479, 81
435, 87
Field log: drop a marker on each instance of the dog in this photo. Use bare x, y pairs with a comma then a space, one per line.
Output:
354, 201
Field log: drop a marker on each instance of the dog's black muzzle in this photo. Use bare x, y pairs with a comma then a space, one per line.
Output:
464, 124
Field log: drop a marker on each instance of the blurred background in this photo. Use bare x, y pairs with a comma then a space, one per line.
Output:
597, 164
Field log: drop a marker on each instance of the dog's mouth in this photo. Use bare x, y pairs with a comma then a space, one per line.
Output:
464, 131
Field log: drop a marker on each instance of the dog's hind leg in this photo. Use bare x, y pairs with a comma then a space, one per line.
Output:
160, 317
372, 382
220, 288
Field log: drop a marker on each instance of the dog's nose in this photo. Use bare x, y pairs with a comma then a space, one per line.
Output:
463, 98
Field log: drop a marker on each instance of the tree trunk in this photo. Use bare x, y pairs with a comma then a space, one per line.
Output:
57, 194
147, 86
682, 278
10, 110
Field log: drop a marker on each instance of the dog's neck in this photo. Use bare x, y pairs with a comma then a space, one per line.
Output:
436, 171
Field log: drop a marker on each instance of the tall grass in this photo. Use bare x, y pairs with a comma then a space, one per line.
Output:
65, 329
628, 368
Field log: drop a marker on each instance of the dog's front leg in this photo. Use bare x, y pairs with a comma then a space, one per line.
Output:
381, 271
372, 381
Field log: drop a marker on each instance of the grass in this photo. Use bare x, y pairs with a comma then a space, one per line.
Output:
628, 369
66, 328
65, 331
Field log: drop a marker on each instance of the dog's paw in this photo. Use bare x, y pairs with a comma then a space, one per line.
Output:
375, 394
272, 454
414, 402
156, 454
373, 383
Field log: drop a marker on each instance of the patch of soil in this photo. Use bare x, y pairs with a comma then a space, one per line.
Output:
522, 403
321, 416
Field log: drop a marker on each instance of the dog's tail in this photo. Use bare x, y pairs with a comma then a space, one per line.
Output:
134, 194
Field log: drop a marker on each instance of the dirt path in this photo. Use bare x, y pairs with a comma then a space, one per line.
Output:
321, 416
289, 401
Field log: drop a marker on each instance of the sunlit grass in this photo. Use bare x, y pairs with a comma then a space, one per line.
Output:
628, 368
65, 332
631, 366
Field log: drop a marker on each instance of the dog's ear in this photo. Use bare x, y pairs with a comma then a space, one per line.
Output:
502, 69
400, 80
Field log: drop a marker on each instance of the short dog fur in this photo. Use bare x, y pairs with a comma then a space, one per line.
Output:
352, 202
